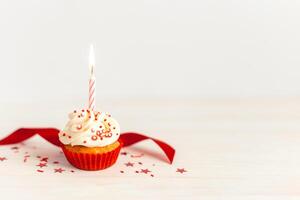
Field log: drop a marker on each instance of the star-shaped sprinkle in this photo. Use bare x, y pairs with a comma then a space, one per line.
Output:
3, 158
129, 164
58, 170
45, 159
146, 171
41, 165
181, 170
124, 153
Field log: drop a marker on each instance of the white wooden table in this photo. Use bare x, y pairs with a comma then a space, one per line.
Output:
230, 149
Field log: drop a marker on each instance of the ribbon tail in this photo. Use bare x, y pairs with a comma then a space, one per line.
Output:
17, 136
130, 138
22, 134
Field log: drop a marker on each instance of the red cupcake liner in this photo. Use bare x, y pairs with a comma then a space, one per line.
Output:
92, 162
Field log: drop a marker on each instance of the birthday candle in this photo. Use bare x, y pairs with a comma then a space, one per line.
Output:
92, 82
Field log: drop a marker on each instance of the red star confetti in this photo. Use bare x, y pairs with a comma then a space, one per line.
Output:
58, 170
181, 170
129, 164
3, 158
45, 159
41, 165
146, 171
124, 153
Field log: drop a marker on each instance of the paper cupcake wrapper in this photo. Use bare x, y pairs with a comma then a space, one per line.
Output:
92, 162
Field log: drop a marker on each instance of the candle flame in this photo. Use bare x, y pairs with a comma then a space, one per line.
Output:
92, 59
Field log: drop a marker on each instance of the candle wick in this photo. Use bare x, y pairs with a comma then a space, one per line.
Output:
92, 70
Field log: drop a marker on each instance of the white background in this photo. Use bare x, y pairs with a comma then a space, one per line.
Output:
150, 48
218, 80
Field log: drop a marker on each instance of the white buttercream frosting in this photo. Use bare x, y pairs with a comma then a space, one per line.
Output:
90, 128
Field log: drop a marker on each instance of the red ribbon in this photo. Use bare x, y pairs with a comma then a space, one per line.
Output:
51, 135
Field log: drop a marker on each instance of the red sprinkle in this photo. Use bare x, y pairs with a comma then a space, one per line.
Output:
105, 120
114, 127
75, 111
70, 136
84, 141
100, 126
78, 116
64, 134
94, 137
79, 127
98, 133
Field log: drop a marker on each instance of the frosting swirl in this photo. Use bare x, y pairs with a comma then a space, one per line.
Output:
90, 128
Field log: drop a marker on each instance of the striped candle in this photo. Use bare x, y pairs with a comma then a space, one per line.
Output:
92, 82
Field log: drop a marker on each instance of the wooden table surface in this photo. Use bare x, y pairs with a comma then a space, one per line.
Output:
229, 149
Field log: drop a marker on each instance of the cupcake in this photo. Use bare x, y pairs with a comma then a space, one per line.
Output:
90, 140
